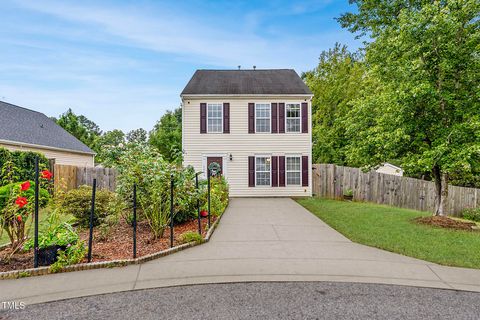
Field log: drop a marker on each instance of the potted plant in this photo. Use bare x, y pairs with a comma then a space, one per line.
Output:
58, 236
348, 194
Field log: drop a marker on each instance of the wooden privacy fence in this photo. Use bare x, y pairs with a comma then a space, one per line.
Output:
71, 177
330, 181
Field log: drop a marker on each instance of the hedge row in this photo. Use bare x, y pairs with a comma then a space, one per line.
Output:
22, 163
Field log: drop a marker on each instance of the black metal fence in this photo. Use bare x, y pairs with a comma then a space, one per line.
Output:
134, 208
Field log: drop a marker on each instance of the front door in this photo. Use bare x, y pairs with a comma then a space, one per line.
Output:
211, 165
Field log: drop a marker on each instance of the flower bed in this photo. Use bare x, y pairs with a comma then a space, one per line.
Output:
118, 245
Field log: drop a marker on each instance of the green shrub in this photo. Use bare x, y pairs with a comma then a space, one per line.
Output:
5, 192
77, 202
471, 214
190, 236
218, 196
72, 255
22, 163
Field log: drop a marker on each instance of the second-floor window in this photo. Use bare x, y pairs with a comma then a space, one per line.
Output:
293, 117
215, 117
262, 117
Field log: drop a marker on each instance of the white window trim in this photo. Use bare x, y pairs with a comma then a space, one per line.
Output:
286, 170
221, 109
269, 118
255, 164
300, 117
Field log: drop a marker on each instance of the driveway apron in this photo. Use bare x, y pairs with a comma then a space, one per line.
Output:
258, 239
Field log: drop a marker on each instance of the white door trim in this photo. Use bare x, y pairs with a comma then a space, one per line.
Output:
224, 157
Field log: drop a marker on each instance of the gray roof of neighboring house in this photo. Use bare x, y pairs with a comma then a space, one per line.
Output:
245, 82
22, 125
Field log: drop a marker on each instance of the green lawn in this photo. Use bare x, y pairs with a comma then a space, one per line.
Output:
42, 215
392, 229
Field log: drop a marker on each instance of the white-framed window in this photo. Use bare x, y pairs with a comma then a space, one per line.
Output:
214, 118
293, 170
262, 117
292, 117
263, 170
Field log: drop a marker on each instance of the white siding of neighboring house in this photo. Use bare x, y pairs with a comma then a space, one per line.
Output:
60, 156
390, 169
241, 144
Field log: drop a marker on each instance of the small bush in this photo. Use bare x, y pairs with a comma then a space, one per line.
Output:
190, 236
5, 191
471, 214
218, 196
77, 202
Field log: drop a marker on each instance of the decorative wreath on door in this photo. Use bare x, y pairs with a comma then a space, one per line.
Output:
214, 168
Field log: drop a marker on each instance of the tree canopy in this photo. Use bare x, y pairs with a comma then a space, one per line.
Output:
420, 100
166, 135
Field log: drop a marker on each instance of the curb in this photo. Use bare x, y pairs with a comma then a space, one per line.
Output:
15, 274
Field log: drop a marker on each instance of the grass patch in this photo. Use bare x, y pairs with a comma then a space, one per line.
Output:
42, 214
392, 229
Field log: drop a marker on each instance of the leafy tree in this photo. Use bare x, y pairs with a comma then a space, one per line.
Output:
137, 136
105, 143
166, 135
420, 103
335, 82
80, 127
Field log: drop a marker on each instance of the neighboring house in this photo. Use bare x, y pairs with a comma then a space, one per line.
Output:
389, 168
27, 130
255, 125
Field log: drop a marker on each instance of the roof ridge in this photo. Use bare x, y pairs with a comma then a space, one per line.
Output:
14, 105
256, 69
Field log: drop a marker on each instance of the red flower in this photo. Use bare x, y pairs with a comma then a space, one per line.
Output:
21, 201
19, 218
203, 213
47, 174
25, 186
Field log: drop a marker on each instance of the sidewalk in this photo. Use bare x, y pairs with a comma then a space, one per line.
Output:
256, 240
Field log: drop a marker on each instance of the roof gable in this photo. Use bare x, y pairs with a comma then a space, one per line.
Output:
246, 82
22, 125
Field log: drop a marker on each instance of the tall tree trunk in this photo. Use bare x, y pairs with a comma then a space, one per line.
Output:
441, 191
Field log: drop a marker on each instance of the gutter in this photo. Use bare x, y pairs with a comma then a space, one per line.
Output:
30, 145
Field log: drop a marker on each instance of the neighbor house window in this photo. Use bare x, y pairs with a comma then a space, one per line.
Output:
262, 171
293, 170
215, 117
262, 117
292, 111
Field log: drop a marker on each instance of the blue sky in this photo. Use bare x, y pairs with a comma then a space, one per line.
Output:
124, 63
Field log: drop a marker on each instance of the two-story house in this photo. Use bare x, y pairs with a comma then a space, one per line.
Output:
255, 125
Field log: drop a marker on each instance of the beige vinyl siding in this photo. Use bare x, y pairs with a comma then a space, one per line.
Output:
61, 157
240, 144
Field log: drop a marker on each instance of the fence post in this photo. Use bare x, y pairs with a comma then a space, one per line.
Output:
171, 210
92, 210
134, 221
35, 244
199, 218
208, 196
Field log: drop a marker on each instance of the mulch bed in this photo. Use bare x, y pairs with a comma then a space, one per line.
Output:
447, 223
118, 244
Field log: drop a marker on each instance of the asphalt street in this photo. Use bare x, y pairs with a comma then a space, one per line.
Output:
265, 300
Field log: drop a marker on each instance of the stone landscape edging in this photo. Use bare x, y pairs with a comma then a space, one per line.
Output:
15, 274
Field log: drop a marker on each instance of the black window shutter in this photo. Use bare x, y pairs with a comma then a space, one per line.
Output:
281, 118
273, 115
304, 171
304, 117
203, 118
251, 118
281, 171
274, 171
251, 171
226, 117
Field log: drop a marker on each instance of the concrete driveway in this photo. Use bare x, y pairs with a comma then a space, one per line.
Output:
256, 240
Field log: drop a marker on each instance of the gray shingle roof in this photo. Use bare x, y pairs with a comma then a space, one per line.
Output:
18, 124
272, 81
